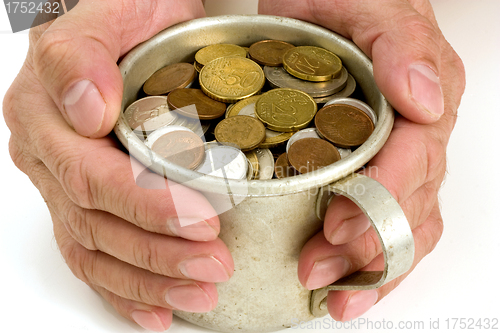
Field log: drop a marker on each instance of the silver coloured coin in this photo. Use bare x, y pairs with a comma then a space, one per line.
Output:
224, 162
148, 114
305, 133
228, 108
344, 152
349, 87
200, 127
250, 170
155, 135
357, 104
278, 77
266, 163
346, 92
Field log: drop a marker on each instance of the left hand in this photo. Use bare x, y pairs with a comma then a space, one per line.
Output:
423, 78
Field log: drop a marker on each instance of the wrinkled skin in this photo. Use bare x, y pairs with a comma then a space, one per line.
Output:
125, 241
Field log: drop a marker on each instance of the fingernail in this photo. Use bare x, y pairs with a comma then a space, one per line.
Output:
148, 320
206, 269
425, 89
85, 107
350, 229
327, 271
359, 303
192, 228
189, 298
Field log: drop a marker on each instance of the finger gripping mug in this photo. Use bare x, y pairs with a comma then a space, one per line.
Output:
265, 224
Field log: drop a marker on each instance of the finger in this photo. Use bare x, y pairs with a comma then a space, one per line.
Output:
347, 305
404, 46
169, 256
149, 317
322, 263
319, 257
98, 176
344, 221
95, 174
417, 153
132, 283
76, 56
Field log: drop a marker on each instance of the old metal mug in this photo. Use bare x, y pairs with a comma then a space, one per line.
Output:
269, 221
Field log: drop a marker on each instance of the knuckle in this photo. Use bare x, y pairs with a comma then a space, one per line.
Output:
366, 249
53, 50
31, 166
71, 171
419, 29
8, 106
80, 226
459, 71
436, 156
433, 234
147, 214
79, 260
428, 234
138, 287
371, 247
16, 154
146, 256
407, 31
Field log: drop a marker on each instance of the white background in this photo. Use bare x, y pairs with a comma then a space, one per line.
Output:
459, 279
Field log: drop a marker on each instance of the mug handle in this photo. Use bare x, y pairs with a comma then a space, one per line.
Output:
388, 220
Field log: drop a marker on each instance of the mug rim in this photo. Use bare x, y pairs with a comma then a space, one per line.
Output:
271, 187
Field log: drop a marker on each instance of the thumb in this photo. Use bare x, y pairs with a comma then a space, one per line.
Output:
75, 58
403, 44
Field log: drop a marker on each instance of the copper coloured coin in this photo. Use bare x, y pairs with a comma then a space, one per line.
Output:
269, 52
168, 78
282, 167
183, 148
344, 125
193, 103
311, 154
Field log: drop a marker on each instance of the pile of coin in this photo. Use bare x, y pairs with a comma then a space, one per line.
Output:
253, 112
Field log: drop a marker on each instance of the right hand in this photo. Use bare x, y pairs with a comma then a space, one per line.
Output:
123, 240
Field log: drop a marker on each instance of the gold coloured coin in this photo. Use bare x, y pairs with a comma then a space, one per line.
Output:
269, 52
243, 131
231, 79
193, 103
344, 125
312, 63
274, 139
254, 161
311, 154
197, 66
212, 52
168, 78
183, 148
285, 110
246, 107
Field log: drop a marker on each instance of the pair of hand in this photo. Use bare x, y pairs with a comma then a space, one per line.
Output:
126, 242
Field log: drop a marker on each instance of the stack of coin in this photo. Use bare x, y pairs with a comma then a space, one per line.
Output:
263, 132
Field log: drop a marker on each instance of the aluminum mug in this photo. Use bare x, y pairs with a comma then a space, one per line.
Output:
265, 223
